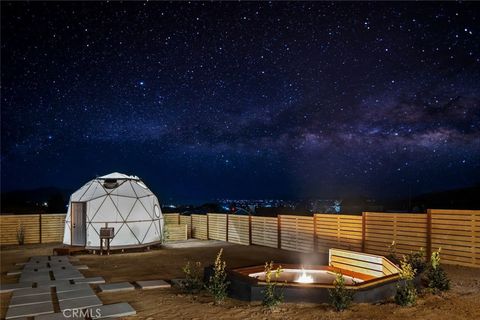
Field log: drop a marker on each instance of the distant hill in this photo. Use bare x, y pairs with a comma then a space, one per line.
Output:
464, 198
41, 200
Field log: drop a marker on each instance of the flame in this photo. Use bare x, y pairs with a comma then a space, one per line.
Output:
304, 277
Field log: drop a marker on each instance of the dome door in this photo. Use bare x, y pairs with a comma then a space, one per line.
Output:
78, 223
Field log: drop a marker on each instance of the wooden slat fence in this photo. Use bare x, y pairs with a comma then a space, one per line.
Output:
457, 233
171, 218
338, 231
52, 227
11, 224
199, 226
265, 231
408, 230
188, 221
239, 229
175, 232
217, 226
296, 233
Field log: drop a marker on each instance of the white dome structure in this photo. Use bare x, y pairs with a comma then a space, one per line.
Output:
114, 200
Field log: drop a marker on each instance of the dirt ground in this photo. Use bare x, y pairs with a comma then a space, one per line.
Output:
462, 302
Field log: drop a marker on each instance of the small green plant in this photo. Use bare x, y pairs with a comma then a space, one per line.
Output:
340, 297
435, 276
165, 233
417, 260
392, 253
193, 282
406, 292
217, 284
21, 234
272, 298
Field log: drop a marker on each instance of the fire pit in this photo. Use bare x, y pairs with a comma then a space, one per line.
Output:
372, 277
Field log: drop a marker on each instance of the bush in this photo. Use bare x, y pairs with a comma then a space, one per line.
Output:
417, 261
21, 234
436, 277
406, 292
340, 296
272, 298
392, 253
193, 282
218, 284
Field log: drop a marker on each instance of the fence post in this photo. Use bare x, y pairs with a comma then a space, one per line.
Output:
226, 228
208, 238
178, 217
429, 234
279, 233
249, 229
315, 240
40, 228
364, 218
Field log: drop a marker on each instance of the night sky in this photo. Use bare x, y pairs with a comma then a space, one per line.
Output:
242, 100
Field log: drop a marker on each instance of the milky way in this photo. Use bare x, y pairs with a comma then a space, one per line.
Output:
207, 100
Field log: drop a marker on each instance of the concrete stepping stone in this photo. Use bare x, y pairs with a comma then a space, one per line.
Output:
153, 284
67, 275
9, 287
72, 287
81, 267
116, 310
32, 299
30, 310
31, 292
39, 259
75, 294
52, 283
59, 316
80, 303
91, 280
116, 287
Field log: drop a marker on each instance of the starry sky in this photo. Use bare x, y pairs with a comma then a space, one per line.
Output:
242, 100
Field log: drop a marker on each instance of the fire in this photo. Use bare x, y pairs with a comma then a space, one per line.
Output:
304, 278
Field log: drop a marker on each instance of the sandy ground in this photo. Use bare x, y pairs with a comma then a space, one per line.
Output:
462, 302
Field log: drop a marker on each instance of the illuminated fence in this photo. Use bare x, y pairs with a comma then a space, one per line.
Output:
38, 228
457, 232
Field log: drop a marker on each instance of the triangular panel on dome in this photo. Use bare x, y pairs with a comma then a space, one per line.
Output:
152, 234
77, 195
138, 213
124, 205
147, 203
96, 190
141, 190
139, 229
93, 208
108, 212
123, 235
124, 189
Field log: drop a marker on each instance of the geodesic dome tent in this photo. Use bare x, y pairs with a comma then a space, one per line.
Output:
114, 200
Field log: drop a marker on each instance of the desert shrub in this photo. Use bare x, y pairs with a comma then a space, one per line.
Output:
436, 278
417, 260
193, 281
406, 292
392, 253
165, 234
21, 234
340, 296
217, 284
271, 296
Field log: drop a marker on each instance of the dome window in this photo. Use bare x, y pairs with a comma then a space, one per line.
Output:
110, 183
